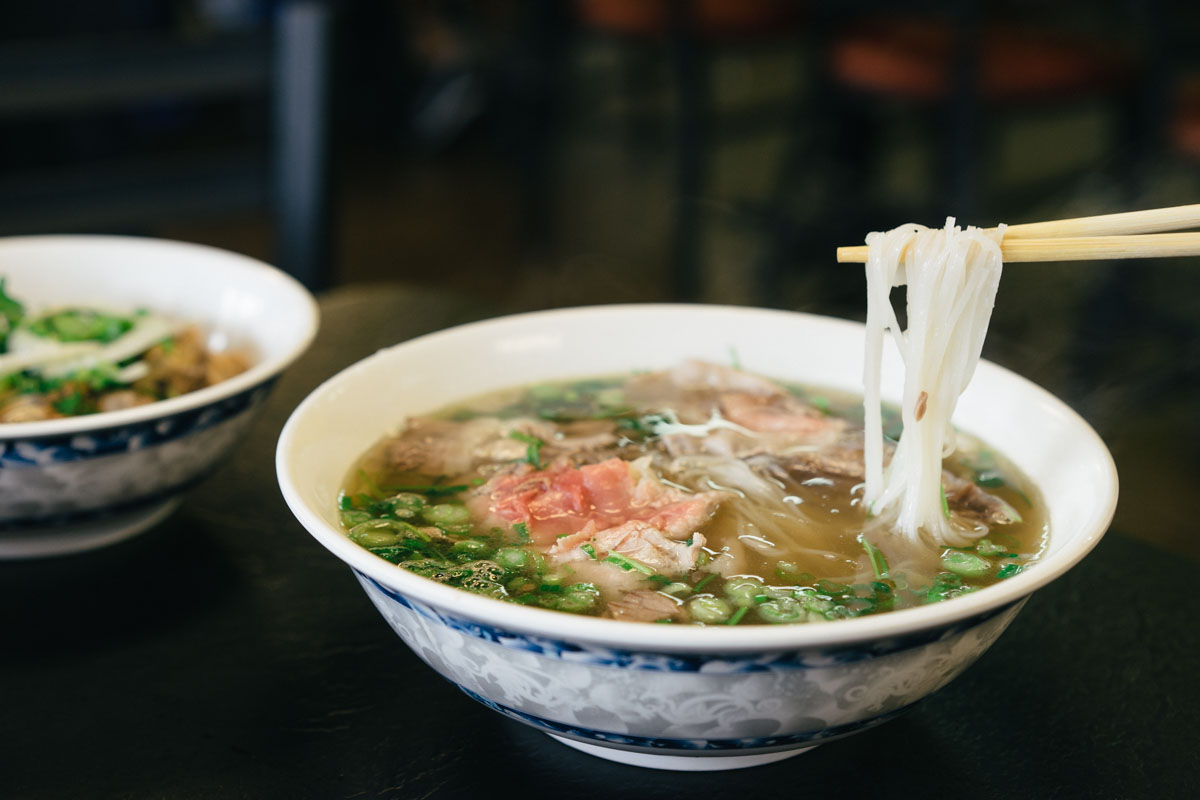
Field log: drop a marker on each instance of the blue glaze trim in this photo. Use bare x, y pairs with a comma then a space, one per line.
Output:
25, 453
688, 745
811, 658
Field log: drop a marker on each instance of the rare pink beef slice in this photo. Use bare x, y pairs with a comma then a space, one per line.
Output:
564, 500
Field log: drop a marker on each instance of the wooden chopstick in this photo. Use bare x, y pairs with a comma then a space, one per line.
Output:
1086, 238
1152, 220
1078, 248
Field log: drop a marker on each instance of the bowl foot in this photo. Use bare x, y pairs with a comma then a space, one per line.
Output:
696, 763
40, 541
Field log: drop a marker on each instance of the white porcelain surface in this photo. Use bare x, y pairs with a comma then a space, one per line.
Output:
677, 690
678, 763
39, 541
80, 482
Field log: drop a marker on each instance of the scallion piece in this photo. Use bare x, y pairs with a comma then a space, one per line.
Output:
430, 490
878, 562
1008, 570
533, 449
628, 563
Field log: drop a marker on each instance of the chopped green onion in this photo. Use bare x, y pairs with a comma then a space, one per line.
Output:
709, 609
628, 563
1008, 570
737, 616
945, 503
522, 531
968, 565
587, 548
430, 490
878, 562
533, 450
703, 581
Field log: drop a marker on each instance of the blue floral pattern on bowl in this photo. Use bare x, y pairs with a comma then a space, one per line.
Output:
627, 659
71, 478
120, 439
655, 702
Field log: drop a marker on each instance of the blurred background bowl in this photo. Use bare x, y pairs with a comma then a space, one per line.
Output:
682, 697
81, 482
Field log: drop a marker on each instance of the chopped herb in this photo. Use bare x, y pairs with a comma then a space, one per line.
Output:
945, 503
665, 620
433, 491
1008, 570
81, 325
878, 563
591, 551
990, 479
968, 565
704, 581
70, 404
11, 312
533, 450
737, 616
522, 531
661, 580
628, 563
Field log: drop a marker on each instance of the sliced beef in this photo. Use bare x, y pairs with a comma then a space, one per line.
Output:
638, 540
643, 606
122, 399
843, 460
779, 414
701, 376
27, 408
445, 447
563, 500
967, 498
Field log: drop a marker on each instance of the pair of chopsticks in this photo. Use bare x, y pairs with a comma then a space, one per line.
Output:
1131, 234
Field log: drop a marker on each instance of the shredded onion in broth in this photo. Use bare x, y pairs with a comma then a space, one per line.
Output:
952, 275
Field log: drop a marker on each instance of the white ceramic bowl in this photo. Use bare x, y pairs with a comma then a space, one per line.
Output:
679, 696
82, 482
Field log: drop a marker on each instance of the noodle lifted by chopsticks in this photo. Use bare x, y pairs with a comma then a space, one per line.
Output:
952, 276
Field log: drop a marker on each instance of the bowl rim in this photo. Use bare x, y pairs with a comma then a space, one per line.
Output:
556, 625
286, 288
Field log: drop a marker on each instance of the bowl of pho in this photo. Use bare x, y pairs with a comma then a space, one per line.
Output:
129, 368
677, 536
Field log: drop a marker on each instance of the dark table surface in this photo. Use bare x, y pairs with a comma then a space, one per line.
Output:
226, 654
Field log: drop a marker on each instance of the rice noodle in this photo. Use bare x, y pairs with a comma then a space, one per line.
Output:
952, 276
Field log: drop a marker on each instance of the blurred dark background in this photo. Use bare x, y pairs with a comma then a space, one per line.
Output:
561, 152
